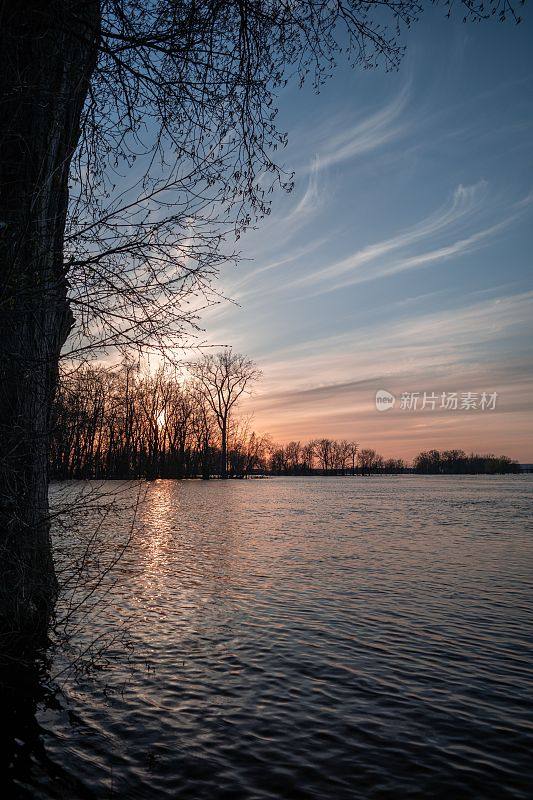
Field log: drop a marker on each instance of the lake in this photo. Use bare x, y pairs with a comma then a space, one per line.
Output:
328, 638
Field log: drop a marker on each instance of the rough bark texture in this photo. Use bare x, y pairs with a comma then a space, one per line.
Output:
48, 53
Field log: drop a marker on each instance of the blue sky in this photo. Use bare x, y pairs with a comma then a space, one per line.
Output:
402, 260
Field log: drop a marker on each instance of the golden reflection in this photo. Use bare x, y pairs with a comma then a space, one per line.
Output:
184, 561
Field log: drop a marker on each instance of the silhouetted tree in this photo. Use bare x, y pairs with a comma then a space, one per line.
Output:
222, 379
130, 424
323, 450
456, 462
368, 460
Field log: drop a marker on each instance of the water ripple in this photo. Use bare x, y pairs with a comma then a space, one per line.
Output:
305, 638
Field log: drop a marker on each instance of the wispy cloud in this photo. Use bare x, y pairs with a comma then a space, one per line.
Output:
238, 289
385, 258
421, 344
325, 387
459, 247
388, 183
464, 202
311, 200
344, 138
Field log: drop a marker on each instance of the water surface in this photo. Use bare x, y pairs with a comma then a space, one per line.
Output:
308, 638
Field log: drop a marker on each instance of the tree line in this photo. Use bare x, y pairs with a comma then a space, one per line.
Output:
457, 462
126, 424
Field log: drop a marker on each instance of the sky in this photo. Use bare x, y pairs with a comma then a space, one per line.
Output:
402, 259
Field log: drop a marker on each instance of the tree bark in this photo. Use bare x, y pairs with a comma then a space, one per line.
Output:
49, 50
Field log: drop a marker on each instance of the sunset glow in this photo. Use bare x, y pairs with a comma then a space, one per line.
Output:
402, 259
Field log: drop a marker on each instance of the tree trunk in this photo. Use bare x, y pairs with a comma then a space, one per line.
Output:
224, 450
49, 50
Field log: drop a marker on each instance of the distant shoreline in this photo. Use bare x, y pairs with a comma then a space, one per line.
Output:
233, 478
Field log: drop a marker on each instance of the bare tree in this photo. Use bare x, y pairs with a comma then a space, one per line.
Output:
293, 451
308, 456
222, 379
353, 447
370, 461
323, 449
